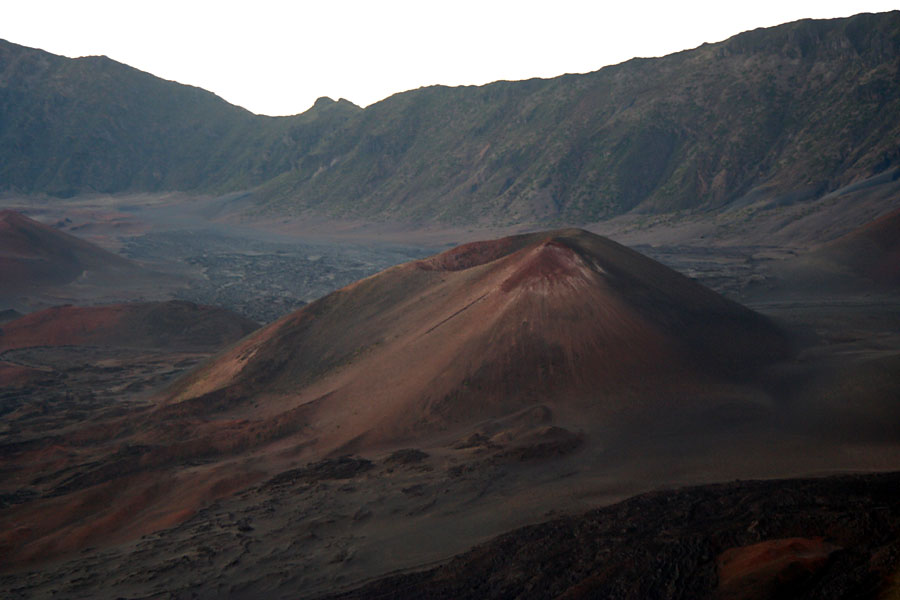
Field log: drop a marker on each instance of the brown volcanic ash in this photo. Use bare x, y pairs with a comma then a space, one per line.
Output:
163, 325
564, 318
34, 255
565, 322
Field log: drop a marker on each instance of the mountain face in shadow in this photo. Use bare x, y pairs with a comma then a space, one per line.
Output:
871, 251
865, 260
92, 124
791, 112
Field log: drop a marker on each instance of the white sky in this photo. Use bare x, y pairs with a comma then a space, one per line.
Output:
276, 58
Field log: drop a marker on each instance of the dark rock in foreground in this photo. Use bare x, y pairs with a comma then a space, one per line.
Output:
837, 537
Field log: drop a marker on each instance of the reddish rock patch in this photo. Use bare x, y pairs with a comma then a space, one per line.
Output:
166, 325
470, 255
550, 263
769, 568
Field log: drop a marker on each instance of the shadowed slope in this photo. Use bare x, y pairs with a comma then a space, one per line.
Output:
92, 124
866, 259
872, 251
34, 255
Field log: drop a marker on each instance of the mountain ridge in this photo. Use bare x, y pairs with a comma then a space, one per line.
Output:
789, 112
92, 124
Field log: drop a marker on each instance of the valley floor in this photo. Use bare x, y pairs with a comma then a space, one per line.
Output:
344, 521
334, 525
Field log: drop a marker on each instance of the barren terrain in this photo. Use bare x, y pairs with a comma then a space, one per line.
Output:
384, 352
286, 528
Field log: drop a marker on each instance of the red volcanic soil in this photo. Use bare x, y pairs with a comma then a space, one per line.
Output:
473, 254
165, 325
566, 318
34, 255
568, 325
759, 570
